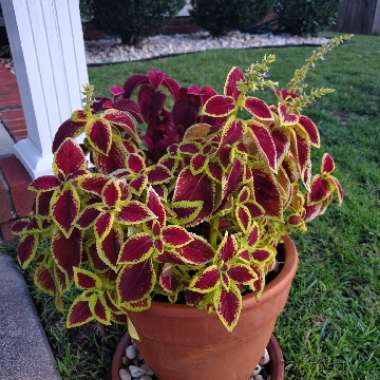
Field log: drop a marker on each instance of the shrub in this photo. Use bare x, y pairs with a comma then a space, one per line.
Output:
306, 17
201, 225
220, 17
134, 19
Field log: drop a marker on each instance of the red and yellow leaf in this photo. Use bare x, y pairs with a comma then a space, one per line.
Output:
135, 212
99, 134
197, 252
136, 281
258, 108
85, 279
26, 250
219, 106
69, 158
67, 252
136, 249
176, 236
79, 312
228, 305
65, 206
206, 280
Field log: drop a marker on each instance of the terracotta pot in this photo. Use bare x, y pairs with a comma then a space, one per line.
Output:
276, 366
185, 343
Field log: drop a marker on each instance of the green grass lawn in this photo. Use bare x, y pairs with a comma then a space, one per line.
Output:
331, 326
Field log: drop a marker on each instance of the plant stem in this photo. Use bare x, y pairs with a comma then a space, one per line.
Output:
214, 231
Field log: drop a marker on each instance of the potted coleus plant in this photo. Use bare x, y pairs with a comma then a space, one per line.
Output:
181, 215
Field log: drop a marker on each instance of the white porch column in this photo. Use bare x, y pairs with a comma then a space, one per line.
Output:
47, 47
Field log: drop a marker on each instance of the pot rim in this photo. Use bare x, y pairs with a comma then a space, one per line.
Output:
284, 277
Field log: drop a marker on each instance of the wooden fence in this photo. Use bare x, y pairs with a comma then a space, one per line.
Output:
359, 16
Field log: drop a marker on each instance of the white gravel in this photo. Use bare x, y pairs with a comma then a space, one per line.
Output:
112, 51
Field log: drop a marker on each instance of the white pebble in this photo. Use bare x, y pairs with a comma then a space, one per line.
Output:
258, 377
131, 352
147, 370
265, 359
124, 374
256, 370
135, 371
145, 377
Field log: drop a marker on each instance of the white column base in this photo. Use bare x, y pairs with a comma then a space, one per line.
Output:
35, 164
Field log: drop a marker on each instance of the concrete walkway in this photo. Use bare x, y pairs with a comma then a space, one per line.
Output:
25, 353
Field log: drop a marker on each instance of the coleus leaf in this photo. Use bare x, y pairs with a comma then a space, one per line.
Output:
111, 193
242, 274
87, 217
328, 164
267, 193
253, 235
65, 206
19, 226
196, 131
171, 281
231, 87
108, 248
198, 187
258, 108
26, 250
45, 183
287, 119
136, 249
232, 132
93, 256
206, 280
311, 129
227, 248
93, 184
135, 212
135, 281
85, 279
154, 203
338, 188
79, 312
197, 252
69, 158
122, 120
99, 309
67, 251
42, 205
135, 163
99, 134
219, 106
282, 144
214, 171
44, 279
186, 212
228, 305
197, 163
320, 190
243, 217
103, 225
262, 255
158, 174
176, 236
114, 160
68, 129
264, 143
234, 177
138, 184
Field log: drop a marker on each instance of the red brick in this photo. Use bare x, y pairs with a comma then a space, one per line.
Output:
18, 181
6, 233
5, 206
